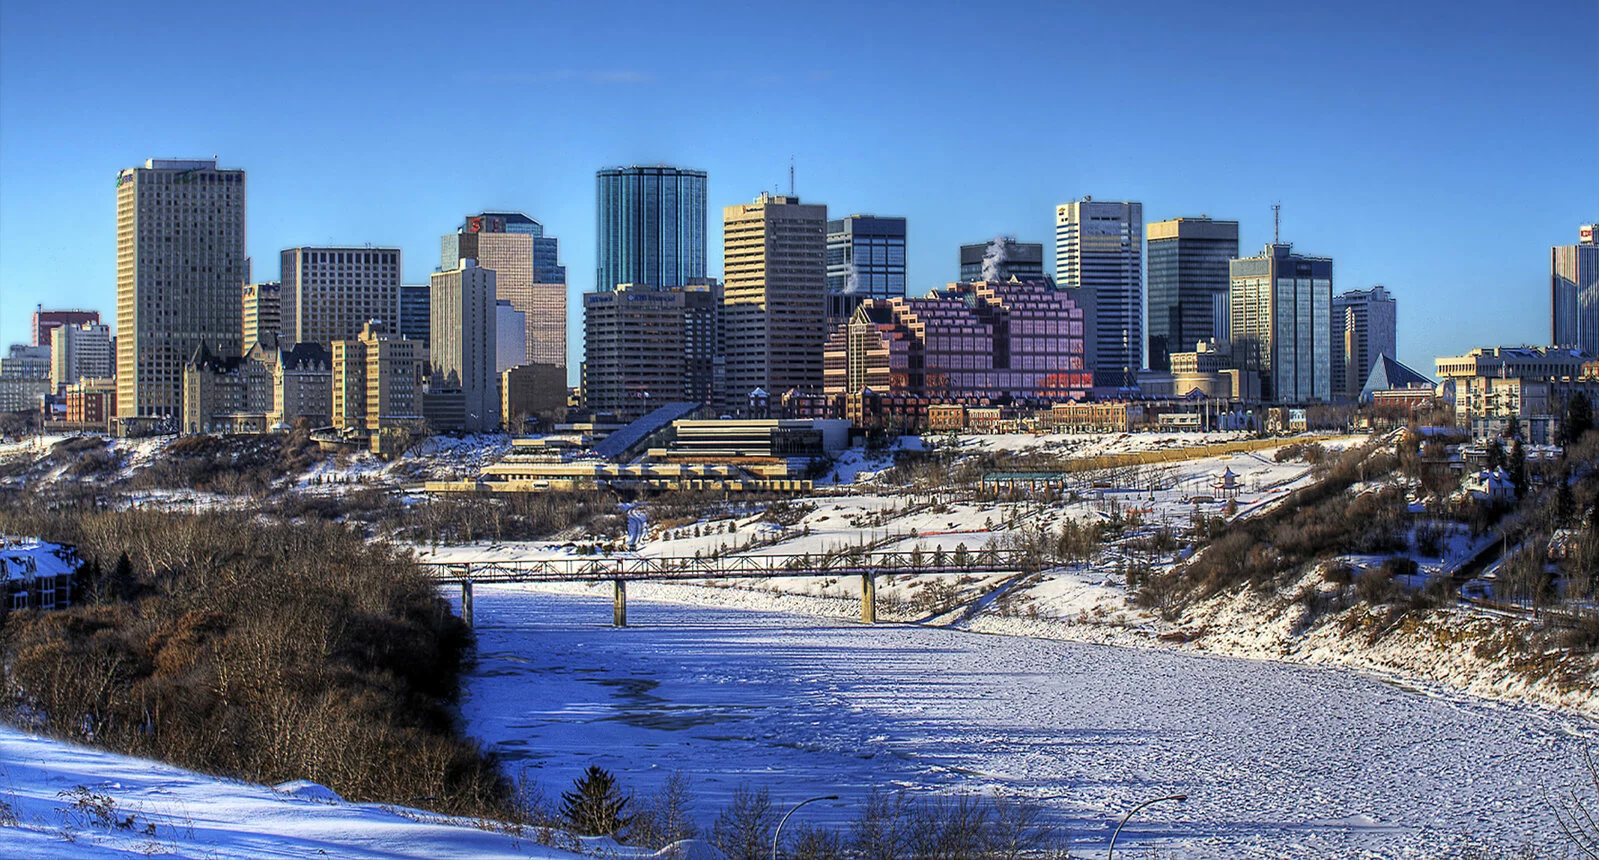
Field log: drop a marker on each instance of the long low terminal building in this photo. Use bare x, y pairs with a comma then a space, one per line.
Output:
755, 455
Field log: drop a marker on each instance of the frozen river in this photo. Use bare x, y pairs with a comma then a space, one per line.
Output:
1278, 760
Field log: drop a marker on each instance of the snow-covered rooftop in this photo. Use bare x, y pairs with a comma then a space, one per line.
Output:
25, 557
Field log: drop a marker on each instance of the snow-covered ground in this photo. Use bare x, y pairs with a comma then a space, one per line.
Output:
68, 801
1278, 760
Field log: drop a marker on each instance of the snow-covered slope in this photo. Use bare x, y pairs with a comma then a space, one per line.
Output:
59, 800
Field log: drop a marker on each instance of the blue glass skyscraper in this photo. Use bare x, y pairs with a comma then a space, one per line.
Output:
651, 227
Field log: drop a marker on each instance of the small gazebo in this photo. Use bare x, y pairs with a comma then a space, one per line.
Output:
1226, 484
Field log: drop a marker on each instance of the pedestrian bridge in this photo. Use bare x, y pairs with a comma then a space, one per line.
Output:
619, 570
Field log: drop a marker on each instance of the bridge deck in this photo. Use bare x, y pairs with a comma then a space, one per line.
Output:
666, 568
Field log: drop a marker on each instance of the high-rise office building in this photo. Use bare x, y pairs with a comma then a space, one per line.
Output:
865, 260
1099, 249
510, 245
1000, 260
464, 339
79, 351
651, 227
330, 294
645, 347
1574, 292
1281, 305
1188, 282
46, 321
180, 264
774, 296
510, 337
547, 268
263, 315
414, 312
1364, 326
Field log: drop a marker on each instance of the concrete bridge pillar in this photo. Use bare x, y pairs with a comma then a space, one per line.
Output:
868, 598
619, 604
466, 601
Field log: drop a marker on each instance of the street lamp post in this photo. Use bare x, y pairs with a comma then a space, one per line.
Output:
791, 812
1180, 798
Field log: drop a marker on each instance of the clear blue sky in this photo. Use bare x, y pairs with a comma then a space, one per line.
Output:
1439, 149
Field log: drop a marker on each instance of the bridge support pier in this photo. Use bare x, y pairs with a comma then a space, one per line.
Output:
619, 603
466, 601
868, 598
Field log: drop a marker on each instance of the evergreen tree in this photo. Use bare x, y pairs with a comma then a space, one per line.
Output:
1565, 500
594, 805
1578, 419
123, 585
86, 582
1512, 428
1496, 454
1518, 466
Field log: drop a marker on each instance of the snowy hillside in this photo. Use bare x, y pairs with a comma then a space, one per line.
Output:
59, 800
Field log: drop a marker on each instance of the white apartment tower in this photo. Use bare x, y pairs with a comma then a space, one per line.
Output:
79, 351
463, 331
330, 294
180, 266
1099, 253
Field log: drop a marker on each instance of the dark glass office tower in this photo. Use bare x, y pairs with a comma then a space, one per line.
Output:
651, 227
1188, 279
1001, 259
865, 260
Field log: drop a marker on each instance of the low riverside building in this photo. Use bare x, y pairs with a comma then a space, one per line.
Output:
38, 574
749, 455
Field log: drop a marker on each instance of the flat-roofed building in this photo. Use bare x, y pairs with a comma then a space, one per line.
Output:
1281, 306
1099, 257
1188, 281
774, 296
263, 314
330, 293
180, 264
463, 331
376, 381
79, 350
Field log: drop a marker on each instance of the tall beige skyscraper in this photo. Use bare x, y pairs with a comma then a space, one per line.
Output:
511, 256
180, 267
775, 296
463, 332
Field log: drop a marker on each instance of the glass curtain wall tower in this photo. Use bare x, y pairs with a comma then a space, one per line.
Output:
865, 260
651, 227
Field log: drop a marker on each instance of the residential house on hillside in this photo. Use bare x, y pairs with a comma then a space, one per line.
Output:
38, 574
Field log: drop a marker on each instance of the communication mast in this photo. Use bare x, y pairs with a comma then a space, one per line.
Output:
1276, 223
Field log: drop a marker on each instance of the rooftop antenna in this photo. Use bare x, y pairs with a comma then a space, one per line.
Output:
791, 176
1276, 223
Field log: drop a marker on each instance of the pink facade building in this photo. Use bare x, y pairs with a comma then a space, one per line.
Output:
975, 344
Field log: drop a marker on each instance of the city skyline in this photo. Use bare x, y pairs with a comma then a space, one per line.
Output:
1369, 172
